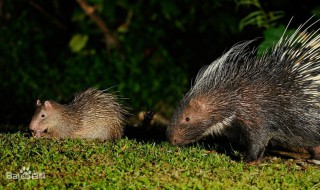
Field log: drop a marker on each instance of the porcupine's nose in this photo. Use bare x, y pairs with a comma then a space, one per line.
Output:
174, 141
174, 137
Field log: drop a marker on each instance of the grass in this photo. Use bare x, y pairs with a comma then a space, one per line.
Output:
134, 164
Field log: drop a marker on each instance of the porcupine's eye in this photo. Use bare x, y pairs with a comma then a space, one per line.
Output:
42, 115
187, 119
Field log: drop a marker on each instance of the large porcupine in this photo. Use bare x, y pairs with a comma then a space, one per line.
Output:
256, 100
92, 114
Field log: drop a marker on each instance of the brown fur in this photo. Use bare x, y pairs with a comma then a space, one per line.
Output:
91, 115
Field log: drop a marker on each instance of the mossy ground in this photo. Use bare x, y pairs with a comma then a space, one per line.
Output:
136, 164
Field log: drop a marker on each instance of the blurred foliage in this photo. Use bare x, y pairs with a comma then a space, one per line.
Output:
260, 17
148, 51
316, 11
51, 49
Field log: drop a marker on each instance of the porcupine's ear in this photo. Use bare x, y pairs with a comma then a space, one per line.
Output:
38, 103
48, 105
197, 104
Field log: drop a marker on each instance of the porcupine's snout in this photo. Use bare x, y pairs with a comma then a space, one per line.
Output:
173, 137
178, 136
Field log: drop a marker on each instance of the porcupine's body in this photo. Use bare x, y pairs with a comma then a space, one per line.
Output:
256, 100
93, 114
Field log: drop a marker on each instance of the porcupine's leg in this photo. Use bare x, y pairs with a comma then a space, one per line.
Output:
255, 151
314, 152
257, 142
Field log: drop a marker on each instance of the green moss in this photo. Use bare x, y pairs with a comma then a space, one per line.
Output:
129, 164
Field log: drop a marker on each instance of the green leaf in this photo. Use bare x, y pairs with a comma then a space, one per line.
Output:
247, 3
272, 36
254, 18
78, 42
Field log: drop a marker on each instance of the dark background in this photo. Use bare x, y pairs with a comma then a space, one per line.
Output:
50, 49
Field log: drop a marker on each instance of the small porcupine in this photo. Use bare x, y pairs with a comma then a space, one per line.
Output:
256, 100
92, 114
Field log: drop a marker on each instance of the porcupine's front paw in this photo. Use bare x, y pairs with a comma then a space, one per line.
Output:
255, 148
254, 156
314, 152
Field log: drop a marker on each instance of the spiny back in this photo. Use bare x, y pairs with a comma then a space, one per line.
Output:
93, 104
93, 97
292, 64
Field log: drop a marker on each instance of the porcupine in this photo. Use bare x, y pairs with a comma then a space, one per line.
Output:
256, 101
92, 114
